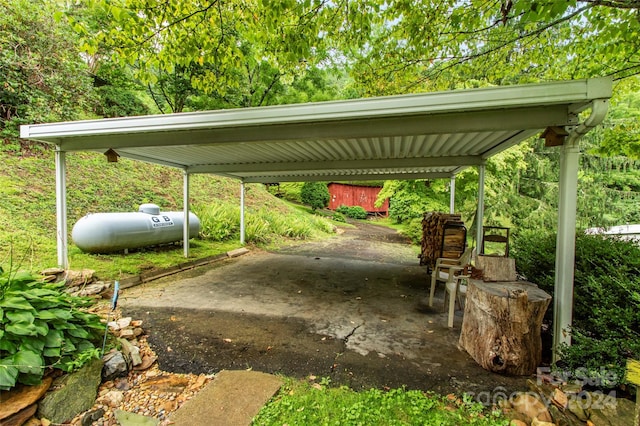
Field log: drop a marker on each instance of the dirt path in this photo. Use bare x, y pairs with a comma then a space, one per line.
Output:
350, 308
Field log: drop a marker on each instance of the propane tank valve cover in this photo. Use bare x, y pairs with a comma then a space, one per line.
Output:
149, 208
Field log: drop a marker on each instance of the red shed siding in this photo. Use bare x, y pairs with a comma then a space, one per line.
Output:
351, 195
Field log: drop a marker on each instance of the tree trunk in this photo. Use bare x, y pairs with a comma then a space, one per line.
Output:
502, 324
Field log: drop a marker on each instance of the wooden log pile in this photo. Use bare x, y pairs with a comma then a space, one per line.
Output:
443, 235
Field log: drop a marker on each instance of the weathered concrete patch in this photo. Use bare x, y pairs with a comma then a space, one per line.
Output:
349, 307
233, 398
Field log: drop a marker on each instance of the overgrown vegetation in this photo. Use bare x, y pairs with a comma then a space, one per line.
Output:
303, 403
239, 61
606, 315
315, 194
42, 327
220, 222
354, 212
43, 76
411, 198
338, 217
290, 191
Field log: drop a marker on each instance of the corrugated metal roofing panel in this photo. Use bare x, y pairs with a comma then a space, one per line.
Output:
338, 139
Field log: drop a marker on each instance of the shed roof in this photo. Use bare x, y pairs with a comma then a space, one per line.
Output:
428, 135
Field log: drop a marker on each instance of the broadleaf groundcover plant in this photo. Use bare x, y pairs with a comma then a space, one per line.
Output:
41, 328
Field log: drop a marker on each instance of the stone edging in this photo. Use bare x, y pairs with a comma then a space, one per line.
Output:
163, 272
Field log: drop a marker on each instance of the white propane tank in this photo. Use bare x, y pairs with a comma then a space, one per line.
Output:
109, 232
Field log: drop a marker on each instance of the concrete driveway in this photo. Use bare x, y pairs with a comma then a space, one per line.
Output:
351, 309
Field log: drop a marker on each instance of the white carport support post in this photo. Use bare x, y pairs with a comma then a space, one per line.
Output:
565, 246
480, 210
566, 240
452, 195
61, 209
242, 231
186, 207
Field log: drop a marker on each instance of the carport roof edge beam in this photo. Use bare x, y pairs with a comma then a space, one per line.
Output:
430, 135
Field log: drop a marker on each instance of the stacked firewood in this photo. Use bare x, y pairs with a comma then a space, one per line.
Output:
443, 235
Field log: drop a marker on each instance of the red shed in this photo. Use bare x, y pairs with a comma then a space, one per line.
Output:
353, 195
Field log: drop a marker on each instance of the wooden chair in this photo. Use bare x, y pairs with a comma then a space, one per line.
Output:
495, 234
446, 268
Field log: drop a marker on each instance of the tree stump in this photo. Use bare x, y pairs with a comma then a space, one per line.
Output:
502, 325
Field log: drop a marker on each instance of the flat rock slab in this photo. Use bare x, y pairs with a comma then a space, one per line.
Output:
237, 252
232, 398
13, 401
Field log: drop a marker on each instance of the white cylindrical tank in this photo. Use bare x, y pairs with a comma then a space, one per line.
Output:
109, 232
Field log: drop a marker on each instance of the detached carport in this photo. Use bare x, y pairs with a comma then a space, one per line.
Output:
423, 136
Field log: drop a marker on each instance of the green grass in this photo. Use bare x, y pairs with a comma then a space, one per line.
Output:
385, 221
28, 212
120, 265
411, 229
308, 403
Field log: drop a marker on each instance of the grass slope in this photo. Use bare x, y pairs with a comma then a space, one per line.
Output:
28, 211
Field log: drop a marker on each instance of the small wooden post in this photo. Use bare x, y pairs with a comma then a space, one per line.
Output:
633, 377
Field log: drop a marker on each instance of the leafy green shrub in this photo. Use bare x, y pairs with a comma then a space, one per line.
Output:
338, 217
354, 212
357, 212
413, 230
535, 254
405, 208
606, 297
411, 198
291, 191
315, 194
42, 327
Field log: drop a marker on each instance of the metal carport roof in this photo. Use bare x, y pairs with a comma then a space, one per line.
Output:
430, 135
397, 137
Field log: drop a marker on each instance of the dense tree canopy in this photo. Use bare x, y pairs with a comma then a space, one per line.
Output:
43, 76
207, 54
220, 47
448, 44
393, 46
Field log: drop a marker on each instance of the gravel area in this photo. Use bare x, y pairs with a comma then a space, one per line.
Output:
150, 392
